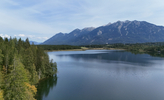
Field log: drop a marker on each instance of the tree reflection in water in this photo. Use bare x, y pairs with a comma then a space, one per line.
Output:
44, 87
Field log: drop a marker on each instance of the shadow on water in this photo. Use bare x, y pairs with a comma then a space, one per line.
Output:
44, 87
157, 54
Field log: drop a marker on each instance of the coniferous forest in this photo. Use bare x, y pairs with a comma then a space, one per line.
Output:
21, 67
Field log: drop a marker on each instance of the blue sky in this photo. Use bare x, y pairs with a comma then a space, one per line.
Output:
41, 19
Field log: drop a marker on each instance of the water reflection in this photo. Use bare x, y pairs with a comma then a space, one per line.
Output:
111, 57
45, 86
157, 54
106, 75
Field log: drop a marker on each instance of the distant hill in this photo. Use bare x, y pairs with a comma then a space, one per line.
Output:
118, 32
35, 43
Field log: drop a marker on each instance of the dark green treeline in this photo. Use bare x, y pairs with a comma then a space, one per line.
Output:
58, 47
21, 67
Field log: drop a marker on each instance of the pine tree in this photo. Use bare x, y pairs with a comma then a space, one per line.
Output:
6, 57
34, 77
1, 39
1, 92
27, 43
28, 62
1, 59
20, 46
40, 63
28, 59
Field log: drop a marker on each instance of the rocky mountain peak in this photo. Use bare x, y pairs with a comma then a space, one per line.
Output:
118, 32
88, 29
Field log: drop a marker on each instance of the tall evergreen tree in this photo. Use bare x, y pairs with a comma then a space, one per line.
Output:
27, 43
1, 39
6, 57
20, 46
1, 91
1, 59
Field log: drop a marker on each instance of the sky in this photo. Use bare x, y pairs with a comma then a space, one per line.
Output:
41, 19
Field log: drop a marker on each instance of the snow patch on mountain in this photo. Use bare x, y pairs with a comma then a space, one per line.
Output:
119, 27
99, 32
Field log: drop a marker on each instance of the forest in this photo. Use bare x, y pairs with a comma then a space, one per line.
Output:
58, 47
21, 67
156, 47
152, 48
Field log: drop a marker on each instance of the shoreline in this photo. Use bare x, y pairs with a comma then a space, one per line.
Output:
85, 49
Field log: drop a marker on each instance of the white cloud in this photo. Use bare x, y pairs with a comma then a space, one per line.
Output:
21, 35
4, 36
45, 18
42, 38
31, 37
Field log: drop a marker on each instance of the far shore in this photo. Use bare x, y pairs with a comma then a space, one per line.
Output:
86, 49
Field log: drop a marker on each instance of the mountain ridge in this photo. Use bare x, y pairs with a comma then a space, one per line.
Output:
117, 32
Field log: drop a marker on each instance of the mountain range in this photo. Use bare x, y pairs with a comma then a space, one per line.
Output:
118, 32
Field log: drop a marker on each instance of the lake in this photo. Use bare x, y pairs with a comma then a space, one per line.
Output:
104, 75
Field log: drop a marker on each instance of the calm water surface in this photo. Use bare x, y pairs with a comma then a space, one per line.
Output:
104, 75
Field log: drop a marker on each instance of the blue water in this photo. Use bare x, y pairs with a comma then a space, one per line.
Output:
104, 75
